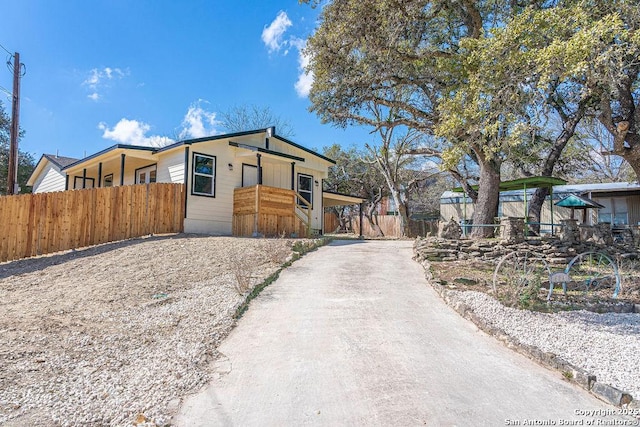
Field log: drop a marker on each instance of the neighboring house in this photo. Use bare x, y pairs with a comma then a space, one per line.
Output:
211, 169
620, 201
48, 175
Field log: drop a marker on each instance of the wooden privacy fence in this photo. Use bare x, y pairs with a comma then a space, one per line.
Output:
35, 224
268, 211
389, 224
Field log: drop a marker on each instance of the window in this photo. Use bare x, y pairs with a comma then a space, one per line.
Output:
108, 180
204, 175
77, 182
305, 188
146, 175
615, 211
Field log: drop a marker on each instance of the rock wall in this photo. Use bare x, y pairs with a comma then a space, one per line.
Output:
554, 250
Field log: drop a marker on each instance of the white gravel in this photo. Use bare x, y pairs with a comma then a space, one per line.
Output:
605, 345
115, 335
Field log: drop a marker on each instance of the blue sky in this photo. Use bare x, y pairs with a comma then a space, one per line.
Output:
130, 71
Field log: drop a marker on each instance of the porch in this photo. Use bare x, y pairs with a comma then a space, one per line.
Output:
260, 210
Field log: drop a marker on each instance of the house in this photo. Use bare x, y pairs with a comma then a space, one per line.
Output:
232, 181
620, 203
48, 175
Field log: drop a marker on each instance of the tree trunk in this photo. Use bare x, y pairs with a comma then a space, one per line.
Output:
535, 207
568, 129
486, 208
402, 209
632, 154
368, 213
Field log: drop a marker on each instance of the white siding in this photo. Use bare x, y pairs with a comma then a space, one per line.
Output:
171, 166
51, 179
276, 173
214, 215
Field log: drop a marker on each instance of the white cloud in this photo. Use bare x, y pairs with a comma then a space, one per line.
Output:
198, 122
133, 132
305, 79
272, 35
98, 79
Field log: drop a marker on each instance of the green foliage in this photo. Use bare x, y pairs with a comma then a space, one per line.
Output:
482, 79
26, 162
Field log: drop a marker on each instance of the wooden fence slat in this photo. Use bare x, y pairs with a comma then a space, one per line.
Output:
49, 222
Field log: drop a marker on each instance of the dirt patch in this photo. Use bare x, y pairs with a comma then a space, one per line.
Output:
115, 334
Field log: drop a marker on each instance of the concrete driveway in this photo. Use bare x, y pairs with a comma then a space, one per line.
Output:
352, 334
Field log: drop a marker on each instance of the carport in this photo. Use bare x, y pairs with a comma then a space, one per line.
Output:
523, 184
330, 199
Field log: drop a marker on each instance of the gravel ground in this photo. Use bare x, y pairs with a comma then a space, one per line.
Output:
606, 345
115, 334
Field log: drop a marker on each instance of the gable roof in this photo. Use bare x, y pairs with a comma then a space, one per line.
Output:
65, 163
239, 134
112, 148
60, 162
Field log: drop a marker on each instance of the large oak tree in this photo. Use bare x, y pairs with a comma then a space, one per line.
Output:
409, 57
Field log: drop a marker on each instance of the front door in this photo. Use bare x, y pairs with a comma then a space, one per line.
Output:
146, 175
249, 175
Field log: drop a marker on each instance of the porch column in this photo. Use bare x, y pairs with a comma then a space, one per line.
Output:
259, 157
361, 218
84, 178
293, 175
66, 182
186, 178
551, 200
122, 156
99, 174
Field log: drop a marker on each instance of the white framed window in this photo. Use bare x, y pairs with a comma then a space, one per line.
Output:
305, 189
146, 175
203, 182
108, 180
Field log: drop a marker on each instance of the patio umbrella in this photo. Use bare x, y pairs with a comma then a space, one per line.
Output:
574, 201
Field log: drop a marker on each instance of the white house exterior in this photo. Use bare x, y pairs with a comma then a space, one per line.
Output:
48, 175
211, 168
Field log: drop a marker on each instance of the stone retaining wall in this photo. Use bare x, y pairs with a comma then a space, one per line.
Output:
555, 250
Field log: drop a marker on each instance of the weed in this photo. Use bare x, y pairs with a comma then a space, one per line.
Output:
242, 268
299, 248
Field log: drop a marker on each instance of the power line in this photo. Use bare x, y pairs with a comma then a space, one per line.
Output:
6, 50
2, 89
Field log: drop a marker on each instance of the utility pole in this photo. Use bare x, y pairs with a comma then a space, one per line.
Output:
12, 181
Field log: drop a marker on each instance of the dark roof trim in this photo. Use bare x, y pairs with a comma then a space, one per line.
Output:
239, 134
304, 149
113, 147
210, 138
264, 150
59, 161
